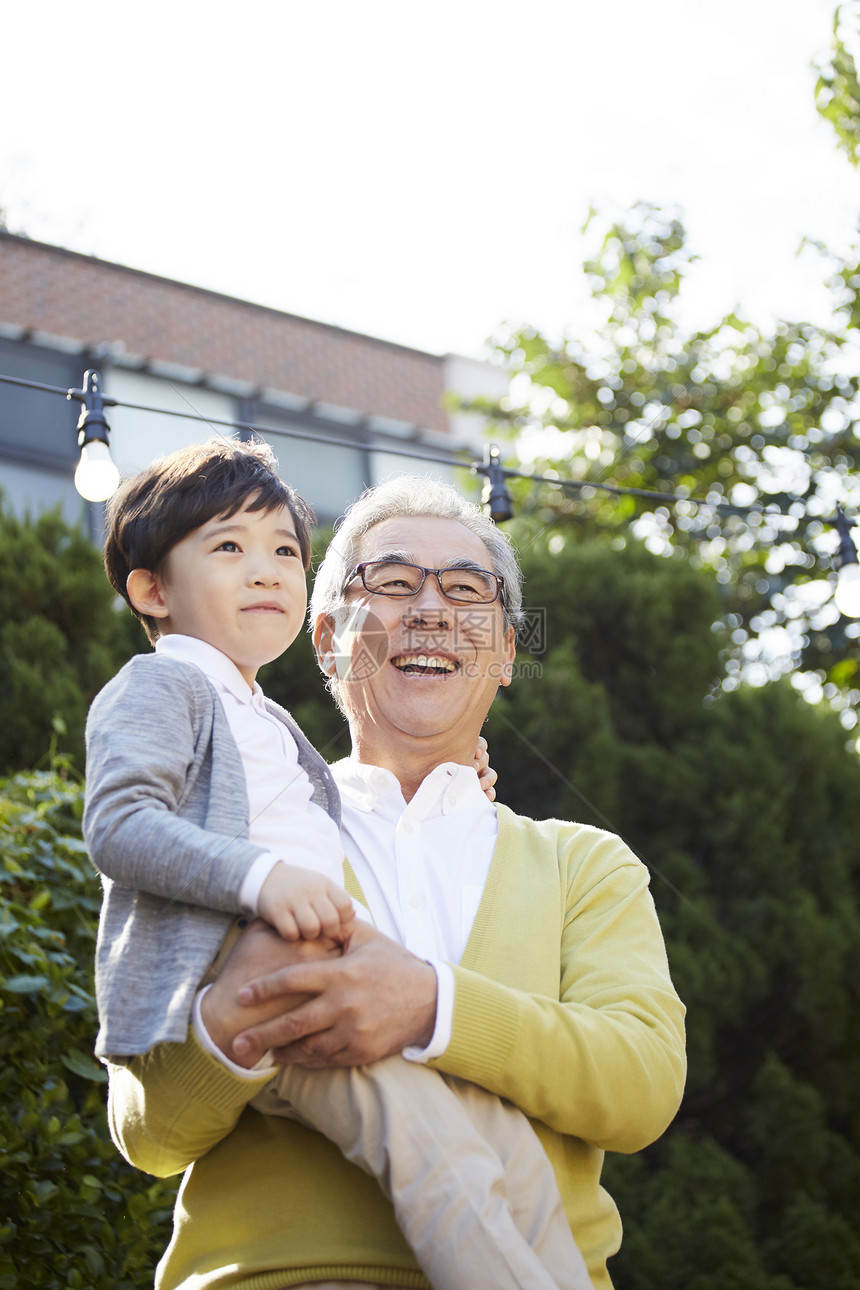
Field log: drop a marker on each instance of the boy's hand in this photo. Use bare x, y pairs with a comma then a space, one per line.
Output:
486, 775
303, 905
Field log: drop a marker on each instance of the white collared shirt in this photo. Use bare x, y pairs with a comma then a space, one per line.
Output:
422, 865
282, 817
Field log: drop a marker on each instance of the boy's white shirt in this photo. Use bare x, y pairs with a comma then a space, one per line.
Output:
282, 817
422, 865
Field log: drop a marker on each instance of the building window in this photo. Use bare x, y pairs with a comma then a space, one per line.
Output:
38, 438
137, 437
328, 476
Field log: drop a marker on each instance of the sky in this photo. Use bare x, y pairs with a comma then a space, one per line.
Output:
422, 173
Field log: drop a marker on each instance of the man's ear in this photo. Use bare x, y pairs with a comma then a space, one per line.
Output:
324, 643
508, 655
145, 593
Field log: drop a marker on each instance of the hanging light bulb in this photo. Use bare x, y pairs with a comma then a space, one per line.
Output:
495, 495
847, 594
96, 477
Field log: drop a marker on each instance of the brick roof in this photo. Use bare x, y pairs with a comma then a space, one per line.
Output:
48, 289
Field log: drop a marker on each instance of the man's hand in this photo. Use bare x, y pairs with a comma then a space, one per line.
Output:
303, 905
374, 1000
258, 950
486, 775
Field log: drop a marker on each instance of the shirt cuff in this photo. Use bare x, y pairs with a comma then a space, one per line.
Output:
441, 1036
263, 1066
252, 883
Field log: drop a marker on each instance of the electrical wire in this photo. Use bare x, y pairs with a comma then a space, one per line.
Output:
421, 454
403, 450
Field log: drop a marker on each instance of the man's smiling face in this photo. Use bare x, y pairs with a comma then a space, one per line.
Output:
419, 666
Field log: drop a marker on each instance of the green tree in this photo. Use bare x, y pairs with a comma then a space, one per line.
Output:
742, 799
837, 93
745, 805
61, 637
758, 424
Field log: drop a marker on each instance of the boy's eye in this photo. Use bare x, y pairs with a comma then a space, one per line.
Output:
227, 546
287, 550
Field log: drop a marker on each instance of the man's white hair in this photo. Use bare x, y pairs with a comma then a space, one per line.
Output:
411, 496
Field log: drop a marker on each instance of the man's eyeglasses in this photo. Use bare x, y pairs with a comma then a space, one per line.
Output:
462, 586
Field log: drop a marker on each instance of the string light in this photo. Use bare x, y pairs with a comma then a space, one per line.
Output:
495, 496
97, 476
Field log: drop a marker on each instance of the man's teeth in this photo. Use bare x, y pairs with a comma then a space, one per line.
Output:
426, 662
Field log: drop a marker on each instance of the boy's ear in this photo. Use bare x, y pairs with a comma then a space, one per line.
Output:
144, 592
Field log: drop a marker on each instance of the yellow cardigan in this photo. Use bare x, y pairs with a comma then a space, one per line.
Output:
563, 1004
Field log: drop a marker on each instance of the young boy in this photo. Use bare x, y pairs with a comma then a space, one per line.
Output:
205, 802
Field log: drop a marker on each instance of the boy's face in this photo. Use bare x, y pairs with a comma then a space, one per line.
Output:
238, 584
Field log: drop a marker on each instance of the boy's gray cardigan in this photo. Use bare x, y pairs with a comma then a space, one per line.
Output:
166, 824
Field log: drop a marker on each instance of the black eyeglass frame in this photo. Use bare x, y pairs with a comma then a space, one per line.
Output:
358, 572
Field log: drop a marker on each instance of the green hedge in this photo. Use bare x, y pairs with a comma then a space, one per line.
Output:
74, 1214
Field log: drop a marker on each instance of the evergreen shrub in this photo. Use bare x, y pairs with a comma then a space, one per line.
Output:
63, 635
74, 1214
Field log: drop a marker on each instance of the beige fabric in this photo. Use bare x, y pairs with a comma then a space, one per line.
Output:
473, 1191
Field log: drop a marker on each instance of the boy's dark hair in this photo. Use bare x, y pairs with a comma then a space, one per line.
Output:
159, 507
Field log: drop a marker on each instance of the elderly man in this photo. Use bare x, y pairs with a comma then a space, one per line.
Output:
522, 956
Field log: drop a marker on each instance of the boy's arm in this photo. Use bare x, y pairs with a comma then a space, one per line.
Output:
143, 732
